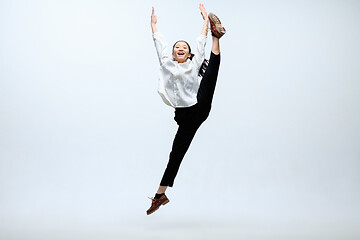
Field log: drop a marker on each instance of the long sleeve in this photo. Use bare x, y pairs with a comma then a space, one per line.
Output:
178, 82
161, 47
199, 54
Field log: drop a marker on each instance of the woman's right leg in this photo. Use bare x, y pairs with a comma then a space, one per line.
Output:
161, 189
181, 144
188, 122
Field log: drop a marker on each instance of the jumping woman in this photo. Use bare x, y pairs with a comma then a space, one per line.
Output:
187, 83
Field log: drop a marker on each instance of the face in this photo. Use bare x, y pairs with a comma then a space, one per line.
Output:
181, 52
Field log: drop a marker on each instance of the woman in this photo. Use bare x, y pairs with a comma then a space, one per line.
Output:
179, 87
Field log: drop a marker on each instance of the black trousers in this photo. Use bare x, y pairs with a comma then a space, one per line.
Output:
189, 120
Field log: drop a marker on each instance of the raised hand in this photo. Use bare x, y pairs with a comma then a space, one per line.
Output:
153, 21
153, 17
203, 11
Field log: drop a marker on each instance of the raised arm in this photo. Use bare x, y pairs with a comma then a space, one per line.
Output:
159, 40
199, 53
153, 21
203, 12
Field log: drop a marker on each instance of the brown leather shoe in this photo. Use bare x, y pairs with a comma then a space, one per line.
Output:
217, 29
156, 203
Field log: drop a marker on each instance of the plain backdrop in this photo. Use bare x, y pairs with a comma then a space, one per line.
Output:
85, 138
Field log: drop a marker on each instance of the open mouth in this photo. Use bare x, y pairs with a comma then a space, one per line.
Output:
181, 53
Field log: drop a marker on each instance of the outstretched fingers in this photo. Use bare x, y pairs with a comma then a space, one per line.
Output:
203, 11
153, 16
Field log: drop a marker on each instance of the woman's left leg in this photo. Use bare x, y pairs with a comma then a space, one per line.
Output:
215, 48
208, 83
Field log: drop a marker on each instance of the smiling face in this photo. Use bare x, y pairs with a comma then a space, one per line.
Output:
181, 51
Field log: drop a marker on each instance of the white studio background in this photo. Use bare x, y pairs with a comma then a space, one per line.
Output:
84, 137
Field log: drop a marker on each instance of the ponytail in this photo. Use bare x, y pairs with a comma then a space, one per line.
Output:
203, 68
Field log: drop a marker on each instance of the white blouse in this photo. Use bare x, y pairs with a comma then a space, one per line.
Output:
179, 82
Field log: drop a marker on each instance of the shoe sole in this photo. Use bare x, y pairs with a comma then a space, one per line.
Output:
164, 203
216, 23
